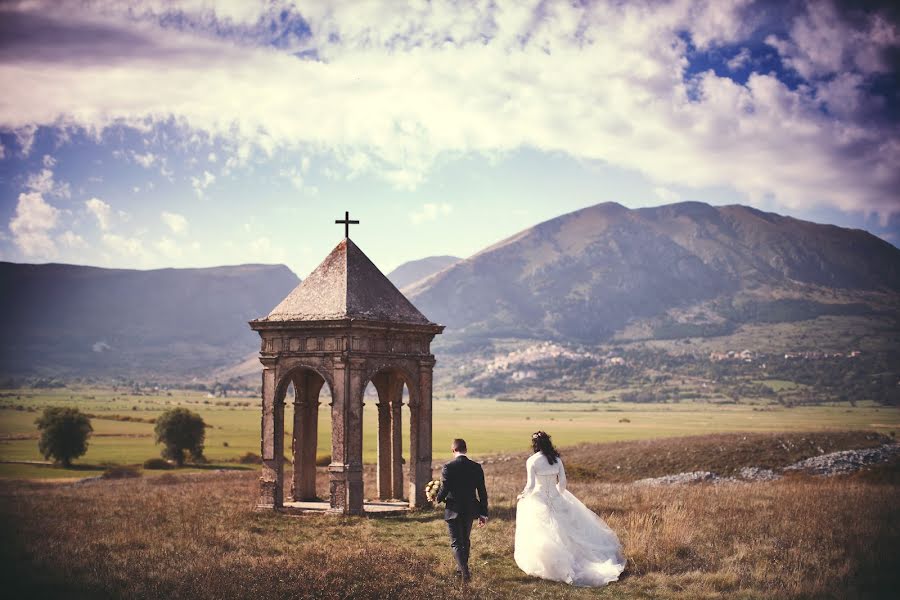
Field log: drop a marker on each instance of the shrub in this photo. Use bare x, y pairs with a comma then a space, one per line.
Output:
180, 430
157, 464
323, 460
64, 434
121, 472
250, 459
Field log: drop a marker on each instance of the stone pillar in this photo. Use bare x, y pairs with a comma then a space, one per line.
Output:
271, 481
396, 402
420, 436
385, 486
307, 385
382, 385
354, 435
337, 470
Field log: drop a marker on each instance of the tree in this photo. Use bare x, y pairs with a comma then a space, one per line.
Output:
180, 431
64, 434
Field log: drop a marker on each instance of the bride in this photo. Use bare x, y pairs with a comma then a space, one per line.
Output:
558, 537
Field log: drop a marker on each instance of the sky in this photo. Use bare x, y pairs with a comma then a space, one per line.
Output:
150, 133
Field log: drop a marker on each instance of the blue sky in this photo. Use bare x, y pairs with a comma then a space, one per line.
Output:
148, 134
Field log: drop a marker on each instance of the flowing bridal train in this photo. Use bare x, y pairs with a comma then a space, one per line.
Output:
558, 537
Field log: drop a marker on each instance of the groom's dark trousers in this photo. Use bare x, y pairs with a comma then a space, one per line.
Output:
463, 489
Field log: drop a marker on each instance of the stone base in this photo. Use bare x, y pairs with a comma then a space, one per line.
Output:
371, 509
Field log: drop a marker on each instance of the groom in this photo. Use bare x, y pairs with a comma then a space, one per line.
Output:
461, 478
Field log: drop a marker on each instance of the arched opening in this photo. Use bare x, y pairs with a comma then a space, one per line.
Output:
386, 433
307, 432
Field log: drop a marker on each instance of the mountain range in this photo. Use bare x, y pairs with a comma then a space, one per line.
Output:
587, 277
67, 320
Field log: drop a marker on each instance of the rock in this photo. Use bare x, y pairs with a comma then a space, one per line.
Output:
757, 474
679, 478
844, 462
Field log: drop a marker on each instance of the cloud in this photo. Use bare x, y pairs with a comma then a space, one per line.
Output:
739, 60
391, 93
168, 247
666, 195
43, 182
72, 240
31, 226
101, 211
202, 182
176, 223
429, 212
146, 160
262, 250
126, 246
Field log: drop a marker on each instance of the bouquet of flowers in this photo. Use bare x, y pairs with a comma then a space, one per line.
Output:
431, 490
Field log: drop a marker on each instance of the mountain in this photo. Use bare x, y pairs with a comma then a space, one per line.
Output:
63, 320
414, 270
687, 269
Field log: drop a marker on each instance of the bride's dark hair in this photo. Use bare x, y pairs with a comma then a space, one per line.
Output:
540, 442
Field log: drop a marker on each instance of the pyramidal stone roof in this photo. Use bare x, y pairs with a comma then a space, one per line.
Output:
347, 285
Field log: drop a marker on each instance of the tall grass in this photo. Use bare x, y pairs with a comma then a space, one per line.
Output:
197, 536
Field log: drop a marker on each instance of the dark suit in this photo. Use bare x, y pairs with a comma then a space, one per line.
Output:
461, 479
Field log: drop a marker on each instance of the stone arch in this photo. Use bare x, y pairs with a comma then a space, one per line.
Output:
388, 378
393, 367
308, 380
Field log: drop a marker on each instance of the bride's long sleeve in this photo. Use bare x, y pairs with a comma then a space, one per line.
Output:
529, 483
561, 484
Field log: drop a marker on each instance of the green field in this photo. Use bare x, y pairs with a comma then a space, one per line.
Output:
490, 427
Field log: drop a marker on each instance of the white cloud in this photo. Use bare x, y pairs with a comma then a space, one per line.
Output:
598, 81
430, 212
125, 246
666, 195
101, 211
48, 161
32, 224
146, 160
262, 250
168, 247
211, 157
739, 60
72, 240
202, 182
176, 223
43, 182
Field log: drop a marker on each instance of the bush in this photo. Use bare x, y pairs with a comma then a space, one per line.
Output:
120, 472
64, 434
323, 460
180, 430
250, 459
157, 464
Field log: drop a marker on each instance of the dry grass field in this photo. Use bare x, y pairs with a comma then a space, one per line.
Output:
197, 535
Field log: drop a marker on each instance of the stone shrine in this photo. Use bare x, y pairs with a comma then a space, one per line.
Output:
345, 325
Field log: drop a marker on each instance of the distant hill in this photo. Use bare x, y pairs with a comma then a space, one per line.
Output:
688, 269
415, 270
65, 320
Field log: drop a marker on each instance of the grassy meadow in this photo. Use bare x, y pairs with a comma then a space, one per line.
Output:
490, 426
193, 533
197, 536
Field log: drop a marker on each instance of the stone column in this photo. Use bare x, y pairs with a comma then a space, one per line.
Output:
396, 401
337, 470
385, 486
382, 385
354, 435
271, 481
420, 436
307, 386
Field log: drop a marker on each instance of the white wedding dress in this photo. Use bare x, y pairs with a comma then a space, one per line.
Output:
558, 537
